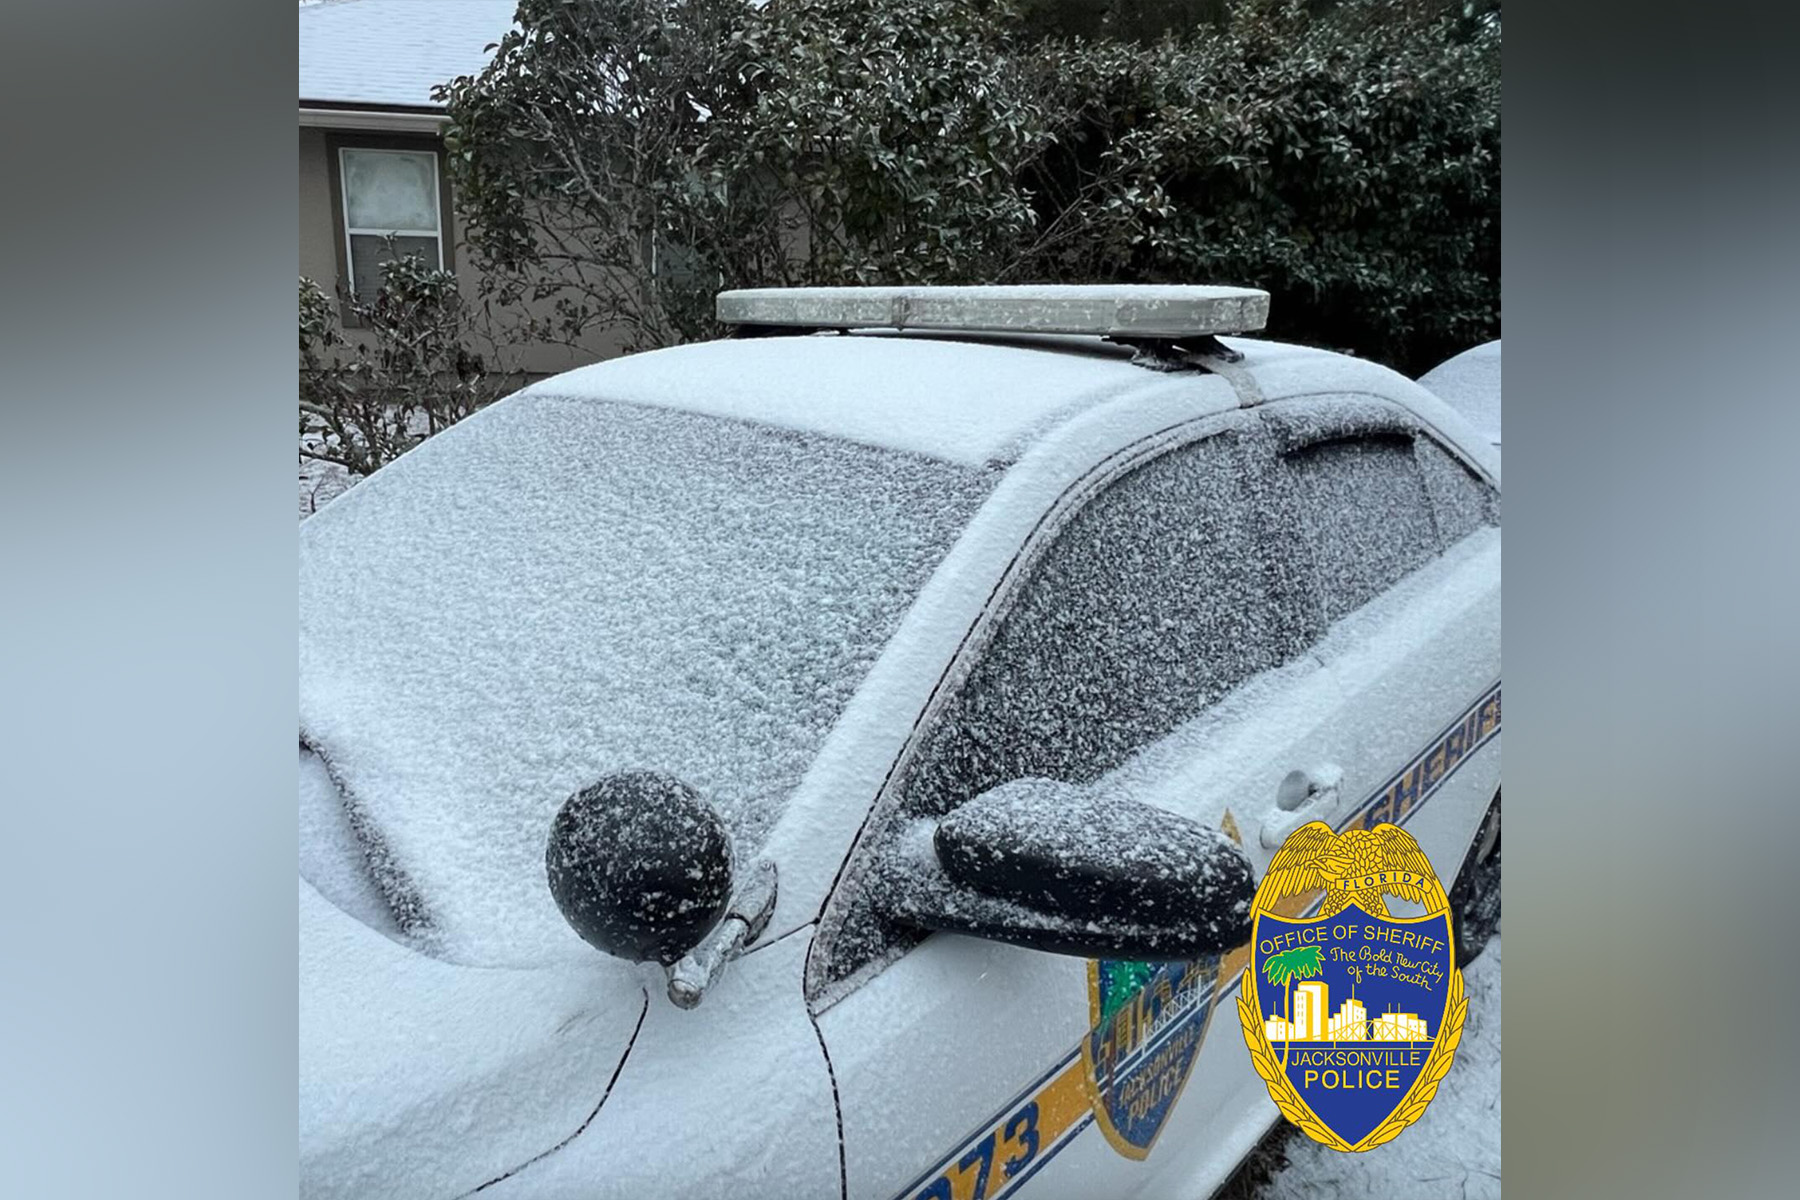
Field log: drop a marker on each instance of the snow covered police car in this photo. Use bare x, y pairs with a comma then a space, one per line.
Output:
905, 696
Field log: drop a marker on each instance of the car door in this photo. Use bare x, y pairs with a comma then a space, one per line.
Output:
1383, 549
1400, 545
1145, 645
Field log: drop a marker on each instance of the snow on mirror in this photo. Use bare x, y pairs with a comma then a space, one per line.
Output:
641, 867
1052, 866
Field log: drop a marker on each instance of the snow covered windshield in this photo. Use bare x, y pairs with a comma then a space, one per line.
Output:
558, 589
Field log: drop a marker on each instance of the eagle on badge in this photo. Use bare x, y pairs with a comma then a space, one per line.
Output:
1350, 867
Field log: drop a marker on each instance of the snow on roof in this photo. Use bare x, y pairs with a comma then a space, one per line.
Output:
967, 402
392, 52
1470, 383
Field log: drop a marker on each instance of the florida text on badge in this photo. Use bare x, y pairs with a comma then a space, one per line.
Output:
1352, 1016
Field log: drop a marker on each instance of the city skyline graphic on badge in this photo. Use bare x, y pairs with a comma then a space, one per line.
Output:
1307, 1020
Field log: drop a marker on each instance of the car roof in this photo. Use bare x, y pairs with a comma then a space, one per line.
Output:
1470, 383
967, 399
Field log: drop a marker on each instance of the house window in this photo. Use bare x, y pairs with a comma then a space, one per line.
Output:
388, 194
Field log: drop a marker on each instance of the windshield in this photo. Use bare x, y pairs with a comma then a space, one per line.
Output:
558, 589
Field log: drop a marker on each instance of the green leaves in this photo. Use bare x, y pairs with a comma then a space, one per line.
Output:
1125, 980
1302, 962
1346, 160
1345, 156
413, 373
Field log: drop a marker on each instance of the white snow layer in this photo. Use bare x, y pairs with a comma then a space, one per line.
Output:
332, 859
558, 589
1470, 383
1453, 1150
728, 1101
394, 51
421, 1078
963, 402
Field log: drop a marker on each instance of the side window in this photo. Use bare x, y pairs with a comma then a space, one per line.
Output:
1372, 497
1155, 600
1363, 515
1461, 500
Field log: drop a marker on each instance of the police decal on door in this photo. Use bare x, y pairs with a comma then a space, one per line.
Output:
1148, 1023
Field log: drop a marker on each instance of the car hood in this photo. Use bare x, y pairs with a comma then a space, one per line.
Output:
424, 1078
556, 590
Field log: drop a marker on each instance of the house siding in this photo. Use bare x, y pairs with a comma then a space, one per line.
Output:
320, 256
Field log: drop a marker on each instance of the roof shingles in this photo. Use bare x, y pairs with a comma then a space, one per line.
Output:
392, 52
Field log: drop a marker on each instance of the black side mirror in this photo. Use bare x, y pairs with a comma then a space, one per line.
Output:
1049, 866
640, 866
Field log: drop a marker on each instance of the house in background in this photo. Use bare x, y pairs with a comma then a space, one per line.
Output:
371, 147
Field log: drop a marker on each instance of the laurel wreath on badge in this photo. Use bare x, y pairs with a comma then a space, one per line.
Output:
1317, 856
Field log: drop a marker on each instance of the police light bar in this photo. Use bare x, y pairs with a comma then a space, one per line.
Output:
1113, 310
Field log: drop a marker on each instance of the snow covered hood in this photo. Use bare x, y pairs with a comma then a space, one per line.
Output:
559, 588
420, 1078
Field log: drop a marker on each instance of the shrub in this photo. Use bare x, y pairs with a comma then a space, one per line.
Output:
366, 400
618, 161
1348, 162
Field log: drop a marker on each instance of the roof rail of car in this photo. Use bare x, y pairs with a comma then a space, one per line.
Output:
1164, 323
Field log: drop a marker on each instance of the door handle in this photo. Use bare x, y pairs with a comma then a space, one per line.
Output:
1303, 796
